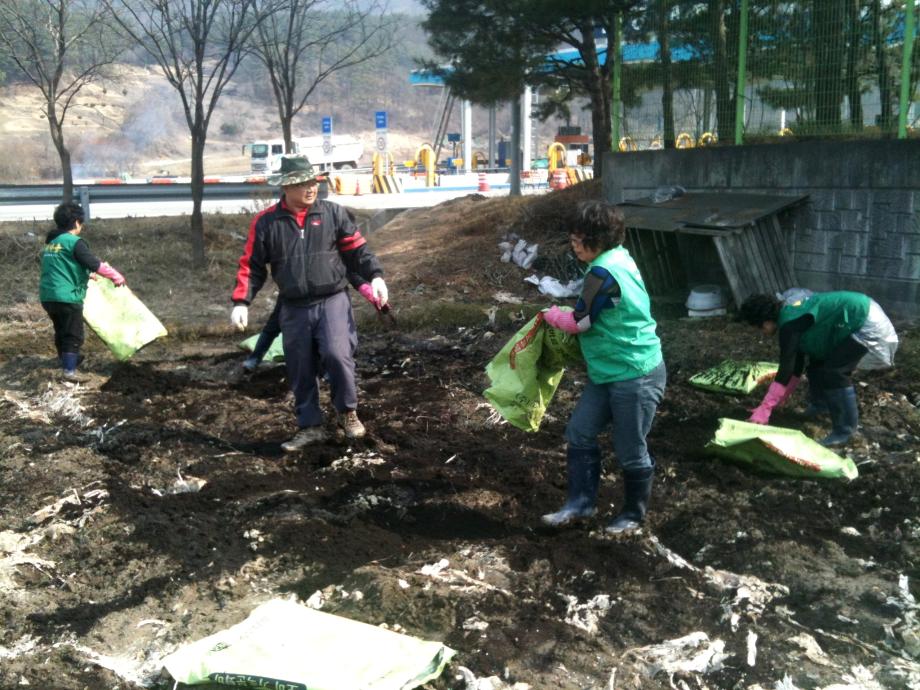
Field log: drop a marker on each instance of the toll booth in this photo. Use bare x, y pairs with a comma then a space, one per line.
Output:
577, 145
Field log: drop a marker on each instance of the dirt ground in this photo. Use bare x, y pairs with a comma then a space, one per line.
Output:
105, 567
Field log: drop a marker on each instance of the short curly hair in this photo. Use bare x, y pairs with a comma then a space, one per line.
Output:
598, 225
67, 214
757, 309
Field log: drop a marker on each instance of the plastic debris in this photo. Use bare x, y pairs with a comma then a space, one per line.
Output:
519, 251
667, 193
548, 285
693, 653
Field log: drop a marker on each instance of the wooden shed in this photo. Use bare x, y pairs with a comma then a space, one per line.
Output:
738, 240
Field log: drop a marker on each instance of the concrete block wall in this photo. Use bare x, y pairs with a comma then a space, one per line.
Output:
859, 229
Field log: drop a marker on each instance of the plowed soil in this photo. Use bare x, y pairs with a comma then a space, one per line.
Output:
108, 562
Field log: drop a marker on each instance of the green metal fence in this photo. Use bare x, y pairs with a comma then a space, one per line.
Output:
736, 71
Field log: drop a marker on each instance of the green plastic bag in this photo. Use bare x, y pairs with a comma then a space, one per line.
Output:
119, 318
527, 370
738, 377
780, 450
286, 645
275, 351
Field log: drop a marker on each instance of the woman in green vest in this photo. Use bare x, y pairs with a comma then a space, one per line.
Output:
834, 332
626, 372
67, 264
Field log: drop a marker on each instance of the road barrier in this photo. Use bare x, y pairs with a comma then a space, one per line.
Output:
114, 190
387, 184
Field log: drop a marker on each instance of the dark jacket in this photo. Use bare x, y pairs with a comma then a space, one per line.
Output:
307, 263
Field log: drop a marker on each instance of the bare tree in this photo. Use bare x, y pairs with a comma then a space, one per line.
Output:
309, 40
198, 45
59, 46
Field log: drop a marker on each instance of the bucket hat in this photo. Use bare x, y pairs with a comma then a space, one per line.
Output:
294, 170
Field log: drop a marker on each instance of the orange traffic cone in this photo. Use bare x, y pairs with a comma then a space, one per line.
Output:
357, 187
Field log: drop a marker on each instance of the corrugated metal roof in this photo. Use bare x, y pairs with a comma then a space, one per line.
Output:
704, 212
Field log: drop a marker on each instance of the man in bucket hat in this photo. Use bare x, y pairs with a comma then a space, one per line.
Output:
314, 250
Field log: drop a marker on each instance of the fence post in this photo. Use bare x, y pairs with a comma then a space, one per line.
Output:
84, 202
742, 73
904, 102
614, 52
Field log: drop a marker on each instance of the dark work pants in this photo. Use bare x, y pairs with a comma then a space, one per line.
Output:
320, 337
270, 331
67, 318
834, 371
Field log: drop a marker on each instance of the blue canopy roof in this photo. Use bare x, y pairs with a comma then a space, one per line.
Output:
632, 52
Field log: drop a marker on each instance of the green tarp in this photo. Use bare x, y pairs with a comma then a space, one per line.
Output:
119, 318
275, 351
780, 450
284, 644
738, 377
525, 373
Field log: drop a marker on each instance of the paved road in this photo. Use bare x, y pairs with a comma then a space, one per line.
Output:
410, 199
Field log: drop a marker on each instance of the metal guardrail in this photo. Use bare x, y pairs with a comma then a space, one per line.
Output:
156, 191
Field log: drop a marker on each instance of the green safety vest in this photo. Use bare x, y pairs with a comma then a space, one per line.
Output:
837, 315
63, 279
622, 343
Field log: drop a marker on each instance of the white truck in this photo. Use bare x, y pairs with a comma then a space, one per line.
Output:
342, 153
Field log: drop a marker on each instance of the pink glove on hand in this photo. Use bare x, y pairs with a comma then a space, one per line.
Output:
107, 271
563, 320
774, 397
367, 292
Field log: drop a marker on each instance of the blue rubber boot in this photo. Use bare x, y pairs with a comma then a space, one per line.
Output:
584, 476
69, 361
637, 487
844, 412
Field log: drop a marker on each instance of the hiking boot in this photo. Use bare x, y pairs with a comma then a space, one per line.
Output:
303, 438
351, 425
250, 364
73, 376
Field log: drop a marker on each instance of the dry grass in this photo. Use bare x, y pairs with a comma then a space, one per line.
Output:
442, 265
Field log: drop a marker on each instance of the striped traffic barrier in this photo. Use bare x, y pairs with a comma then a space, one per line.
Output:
386, 184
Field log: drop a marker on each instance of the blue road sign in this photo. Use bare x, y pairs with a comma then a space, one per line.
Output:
327, 125
380, 119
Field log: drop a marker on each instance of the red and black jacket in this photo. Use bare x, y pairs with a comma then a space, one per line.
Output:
308, 261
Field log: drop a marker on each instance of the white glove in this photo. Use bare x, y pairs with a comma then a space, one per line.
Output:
380, 291
239, 317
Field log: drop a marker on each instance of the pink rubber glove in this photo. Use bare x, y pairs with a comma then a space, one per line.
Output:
107, 271
790, 389
563, 320
367, 292
774, 396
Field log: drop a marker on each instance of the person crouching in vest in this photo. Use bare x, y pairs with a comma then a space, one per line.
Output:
66, 265
834, 332
626, 371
